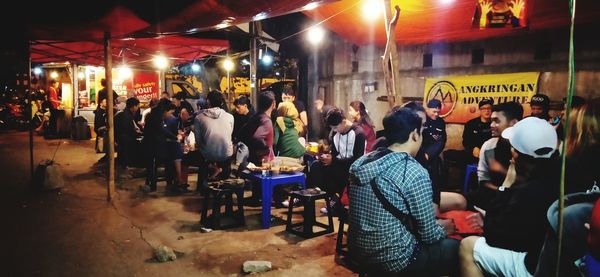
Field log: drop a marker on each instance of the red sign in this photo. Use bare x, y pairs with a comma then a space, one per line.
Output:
145, 85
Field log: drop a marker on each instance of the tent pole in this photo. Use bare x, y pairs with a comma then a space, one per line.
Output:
110, 118
30, 117
254, 86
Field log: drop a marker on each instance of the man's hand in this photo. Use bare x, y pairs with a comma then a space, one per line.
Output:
426, 157
448, 225
326, 158
511, 175
476, 152
475, 221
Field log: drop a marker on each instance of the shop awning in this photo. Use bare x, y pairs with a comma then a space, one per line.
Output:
426, 21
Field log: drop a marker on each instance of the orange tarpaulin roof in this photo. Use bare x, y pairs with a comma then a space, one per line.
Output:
425, 21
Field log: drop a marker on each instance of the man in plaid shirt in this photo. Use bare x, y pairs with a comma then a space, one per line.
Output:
378, 239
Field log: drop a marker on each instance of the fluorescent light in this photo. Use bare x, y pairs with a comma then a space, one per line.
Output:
124, 72
37, 70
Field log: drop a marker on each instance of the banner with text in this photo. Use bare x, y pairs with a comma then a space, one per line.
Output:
145, 85
460, 95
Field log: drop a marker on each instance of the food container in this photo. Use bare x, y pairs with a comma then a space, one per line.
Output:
313, 147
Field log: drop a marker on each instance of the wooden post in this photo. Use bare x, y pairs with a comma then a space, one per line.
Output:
390, 57
110, 118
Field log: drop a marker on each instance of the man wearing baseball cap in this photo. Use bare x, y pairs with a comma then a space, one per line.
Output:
540, 106
478, 130
515, 221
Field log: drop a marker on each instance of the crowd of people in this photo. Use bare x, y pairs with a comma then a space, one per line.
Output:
395, 198
393, 184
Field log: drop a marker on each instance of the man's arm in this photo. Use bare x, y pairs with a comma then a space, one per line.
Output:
304, 118
418, 197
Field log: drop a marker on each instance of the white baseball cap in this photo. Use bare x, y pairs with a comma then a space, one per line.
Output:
532, 136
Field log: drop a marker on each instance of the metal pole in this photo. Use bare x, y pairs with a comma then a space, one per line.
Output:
30, 117
111, 115
254, 86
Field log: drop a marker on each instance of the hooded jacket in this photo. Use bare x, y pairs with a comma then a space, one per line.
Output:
376, 236
213, 128
285, 140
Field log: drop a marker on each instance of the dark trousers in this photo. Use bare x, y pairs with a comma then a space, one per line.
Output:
203, 171
437, 259
330, 178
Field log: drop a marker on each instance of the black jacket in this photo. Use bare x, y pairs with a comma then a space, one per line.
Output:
434, 137
516, 218
125, 129
476, 133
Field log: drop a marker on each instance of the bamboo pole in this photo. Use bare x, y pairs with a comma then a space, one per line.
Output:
390, 56
570, 92
110, 118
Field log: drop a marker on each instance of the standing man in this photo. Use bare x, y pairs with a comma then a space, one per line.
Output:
54, 105
103, 93
478, 130
434, 141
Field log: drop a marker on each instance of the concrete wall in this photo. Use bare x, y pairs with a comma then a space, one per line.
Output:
339, 85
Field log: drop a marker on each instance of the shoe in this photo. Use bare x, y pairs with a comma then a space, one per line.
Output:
324, 210
286, 203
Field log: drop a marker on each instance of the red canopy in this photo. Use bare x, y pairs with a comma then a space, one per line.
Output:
211, 14
131, 51
424, 21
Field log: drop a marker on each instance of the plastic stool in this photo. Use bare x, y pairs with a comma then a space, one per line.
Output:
221, 193
341, 248
305, 228
471, 168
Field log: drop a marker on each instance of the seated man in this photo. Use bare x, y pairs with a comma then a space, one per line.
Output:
494, 157
389, 189
213, 128
477, 131
347, 144
127, 132
515, 221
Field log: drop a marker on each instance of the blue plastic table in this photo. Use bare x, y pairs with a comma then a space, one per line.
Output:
267, 184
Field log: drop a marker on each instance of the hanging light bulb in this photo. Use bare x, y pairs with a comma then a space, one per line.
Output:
195, 67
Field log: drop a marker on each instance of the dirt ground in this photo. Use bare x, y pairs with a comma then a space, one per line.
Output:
76, 232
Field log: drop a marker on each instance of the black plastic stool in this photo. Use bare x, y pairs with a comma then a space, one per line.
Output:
341, 248
221, 193
305, 228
